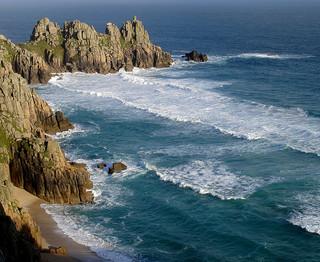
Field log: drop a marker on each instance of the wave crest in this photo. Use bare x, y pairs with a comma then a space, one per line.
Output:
211, 177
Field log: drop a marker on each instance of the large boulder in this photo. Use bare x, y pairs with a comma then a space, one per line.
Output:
117, 168
195, 56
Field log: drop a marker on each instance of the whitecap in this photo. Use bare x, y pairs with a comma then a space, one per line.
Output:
291, 127
211, 177
78, 129
216, 59
307, 214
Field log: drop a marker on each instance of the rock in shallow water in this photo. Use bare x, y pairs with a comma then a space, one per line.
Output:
117, 167
195, 56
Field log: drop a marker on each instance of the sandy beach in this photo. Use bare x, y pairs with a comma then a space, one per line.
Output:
52, 234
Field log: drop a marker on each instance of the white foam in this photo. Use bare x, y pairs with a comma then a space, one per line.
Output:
107, 194
307, 214
238, 147
179, 61
137, 77
291, 127
272, 56
78, 129
80, 230
211, 177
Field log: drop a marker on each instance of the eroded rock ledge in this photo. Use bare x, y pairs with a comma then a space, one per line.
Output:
79, 47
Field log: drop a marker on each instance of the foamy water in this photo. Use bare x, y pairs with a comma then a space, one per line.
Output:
179, 104
291, 127
212, 177
307, 213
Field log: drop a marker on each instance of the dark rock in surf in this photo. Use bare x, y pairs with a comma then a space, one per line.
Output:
117, 168
195, 56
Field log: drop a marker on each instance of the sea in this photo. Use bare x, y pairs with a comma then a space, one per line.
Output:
223, 157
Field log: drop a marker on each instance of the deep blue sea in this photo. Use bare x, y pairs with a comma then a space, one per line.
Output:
223, 157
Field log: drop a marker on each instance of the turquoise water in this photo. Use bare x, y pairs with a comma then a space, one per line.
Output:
223, 157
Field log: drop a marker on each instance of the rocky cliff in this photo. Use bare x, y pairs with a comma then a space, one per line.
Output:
30, 159
79, 47
36, 162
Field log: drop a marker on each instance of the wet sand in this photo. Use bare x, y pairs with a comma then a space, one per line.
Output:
52, 235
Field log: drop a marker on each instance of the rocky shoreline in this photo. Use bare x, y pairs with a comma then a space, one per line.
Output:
29, 158
79, 47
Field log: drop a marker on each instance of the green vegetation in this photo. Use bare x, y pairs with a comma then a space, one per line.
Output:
104, 41
4, 140
40, 48
36, 47
10, 52
4, 146
125, 44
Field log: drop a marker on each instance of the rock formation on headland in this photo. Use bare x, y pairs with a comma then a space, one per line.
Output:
29, 158
79, 47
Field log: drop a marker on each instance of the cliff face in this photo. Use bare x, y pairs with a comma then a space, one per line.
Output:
30, 159
78, 47
36, 162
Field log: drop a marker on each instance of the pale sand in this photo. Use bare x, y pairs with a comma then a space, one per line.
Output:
53, 236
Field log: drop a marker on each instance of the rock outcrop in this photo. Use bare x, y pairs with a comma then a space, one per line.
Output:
29, 65
79, 47
36, 162
30, 159
195, 56
47, 31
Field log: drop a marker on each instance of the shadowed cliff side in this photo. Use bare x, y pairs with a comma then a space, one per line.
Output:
79, 47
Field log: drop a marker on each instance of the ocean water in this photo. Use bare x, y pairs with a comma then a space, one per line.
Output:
223, 157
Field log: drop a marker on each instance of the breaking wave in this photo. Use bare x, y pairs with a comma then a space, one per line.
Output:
211, 177
307, 216
291, 127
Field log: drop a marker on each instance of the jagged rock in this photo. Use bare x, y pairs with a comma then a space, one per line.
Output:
56, 122
31, 67
134, 32
40, 167
37, 163
195, 56
139, 51
78, 47
115, 36
117, 168
47, 31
